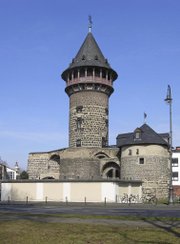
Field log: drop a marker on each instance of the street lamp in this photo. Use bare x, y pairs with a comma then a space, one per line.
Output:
168, 99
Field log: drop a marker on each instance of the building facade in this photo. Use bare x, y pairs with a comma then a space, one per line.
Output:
89, 84
9, 173
176, 171
142, 155
145, 156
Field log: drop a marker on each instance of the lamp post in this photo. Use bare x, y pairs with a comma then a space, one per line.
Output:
168, 99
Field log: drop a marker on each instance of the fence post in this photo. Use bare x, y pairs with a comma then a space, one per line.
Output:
46, 200
26, 199
85, 201
8, 199
105, 201
116, 198
66, 201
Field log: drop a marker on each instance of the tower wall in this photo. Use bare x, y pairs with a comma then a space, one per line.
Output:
153, 170
88, 123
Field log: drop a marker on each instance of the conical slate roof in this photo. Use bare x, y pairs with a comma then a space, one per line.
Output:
148, 136
89, 54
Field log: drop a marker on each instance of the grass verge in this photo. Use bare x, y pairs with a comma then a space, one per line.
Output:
27, 231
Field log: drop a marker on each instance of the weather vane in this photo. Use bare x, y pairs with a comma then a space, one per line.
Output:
90, 23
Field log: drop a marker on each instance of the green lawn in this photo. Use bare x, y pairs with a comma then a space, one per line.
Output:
35, 232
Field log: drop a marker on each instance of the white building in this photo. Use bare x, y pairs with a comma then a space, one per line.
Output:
9, 173
176, 171
13, 174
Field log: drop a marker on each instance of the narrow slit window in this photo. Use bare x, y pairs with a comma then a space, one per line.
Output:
141, 160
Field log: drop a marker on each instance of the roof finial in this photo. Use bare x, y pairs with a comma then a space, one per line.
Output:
90, 23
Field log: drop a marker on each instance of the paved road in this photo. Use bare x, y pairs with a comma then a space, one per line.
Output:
109, 210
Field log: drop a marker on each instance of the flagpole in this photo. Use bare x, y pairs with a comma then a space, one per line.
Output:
145, 116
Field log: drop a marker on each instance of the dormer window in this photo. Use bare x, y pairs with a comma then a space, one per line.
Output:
83, 57
137, 134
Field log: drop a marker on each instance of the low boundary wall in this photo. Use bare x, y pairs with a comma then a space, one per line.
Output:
71, 191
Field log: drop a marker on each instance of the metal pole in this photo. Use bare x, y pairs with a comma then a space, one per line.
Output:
169, 101
170, 183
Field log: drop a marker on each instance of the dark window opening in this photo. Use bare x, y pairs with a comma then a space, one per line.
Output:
130, 152
56, 158
48, 178
175, 162
82, 73
117, 174
83, 57
106, 111
109, 76
110, 173
79, 123
104, 142
79, 109
89, 72
75, 74
175, 176
107, 122
101, 155
103, 74
97, 73
78, 143
141, 161
137, 151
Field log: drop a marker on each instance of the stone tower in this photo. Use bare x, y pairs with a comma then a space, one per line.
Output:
89, 84
145, 156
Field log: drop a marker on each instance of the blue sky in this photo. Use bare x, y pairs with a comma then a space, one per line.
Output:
39, 38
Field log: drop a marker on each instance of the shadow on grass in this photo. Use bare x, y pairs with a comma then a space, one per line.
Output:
166, 225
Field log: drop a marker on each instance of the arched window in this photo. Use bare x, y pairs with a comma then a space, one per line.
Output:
56, 158
101, 155
111, 170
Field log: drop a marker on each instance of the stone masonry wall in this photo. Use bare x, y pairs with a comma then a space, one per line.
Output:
154, 172
40, 166
92, 117
74, 163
